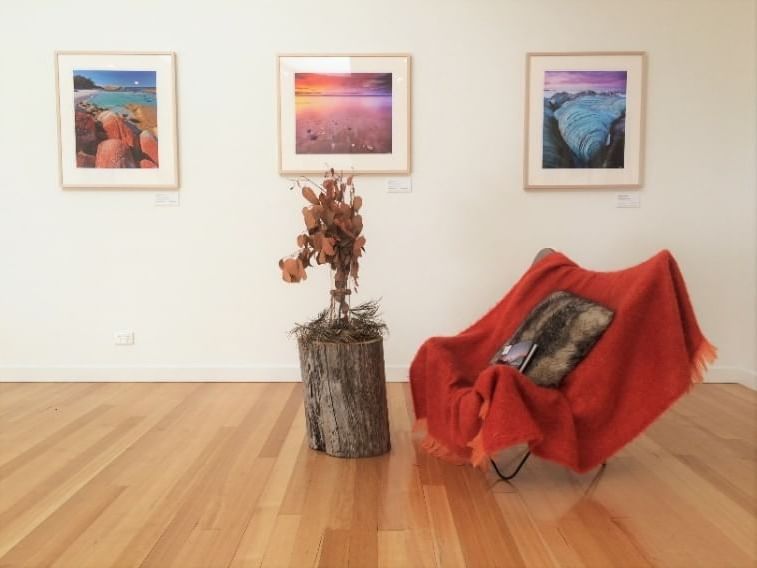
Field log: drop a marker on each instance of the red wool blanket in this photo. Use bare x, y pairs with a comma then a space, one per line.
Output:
647, 358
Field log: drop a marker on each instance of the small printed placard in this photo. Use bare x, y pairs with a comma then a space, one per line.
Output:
399, 185
167, 199
628, 200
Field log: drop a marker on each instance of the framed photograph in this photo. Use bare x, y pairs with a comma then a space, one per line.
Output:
350, 112
584, 120
117, 120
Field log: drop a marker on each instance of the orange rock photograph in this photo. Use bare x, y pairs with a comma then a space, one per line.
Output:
115, 115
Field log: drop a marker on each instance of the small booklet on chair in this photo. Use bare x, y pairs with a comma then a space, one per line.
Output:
516, 355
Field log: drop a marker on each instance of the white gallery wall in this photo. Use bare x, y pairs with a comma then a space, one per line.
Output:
199, 284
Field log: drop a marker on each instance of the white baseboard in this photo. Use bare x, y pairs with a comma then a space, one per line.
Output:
243, 373
167, 373
732, 375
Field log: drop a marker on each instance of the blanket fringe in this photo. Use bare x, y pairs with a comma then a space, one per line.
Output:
420, 425
705, 354
479, 457
434, 447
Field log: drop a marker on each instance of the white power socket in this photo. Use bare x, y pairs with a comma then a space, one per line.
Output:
124, 337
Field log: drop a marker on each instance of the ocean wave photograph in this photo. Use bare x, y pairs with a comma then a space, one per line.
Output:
584, 119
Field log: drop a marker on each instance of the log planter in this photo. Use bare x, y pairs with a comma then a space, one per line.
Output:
345, 397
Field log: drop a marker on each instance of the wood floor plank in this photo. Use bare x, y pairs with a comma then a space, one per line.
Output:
420, 534
727, 459
213, 541
725, 418
38, 424
297, 488
335, 549
735, 486
735, 523
32, 419
142, 538
45, 543
206, 475
472, 535
34, 504
395, 550
252, 546
283, 424
282, 542
531, 544
363, 533
34, 398
316, 509
591, 532
257, 537
148, 498
499, 543
447, 545
50, 442
343, 500
669, 530
233, 481
33, 472
396, 480
738, 391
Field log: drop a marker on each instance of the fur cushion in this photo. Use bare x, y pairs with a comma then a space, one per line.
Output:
565, 327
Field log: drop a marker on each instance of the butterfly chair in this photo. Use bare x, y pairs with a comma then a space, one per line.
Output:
634, 369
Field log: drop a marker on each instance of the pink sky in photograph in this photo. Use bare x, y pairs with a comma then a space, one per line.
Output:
576, 81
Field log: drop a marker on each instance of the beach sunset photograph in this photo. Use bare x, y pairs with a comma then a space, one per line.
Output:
116, 120
343, 113
584, 119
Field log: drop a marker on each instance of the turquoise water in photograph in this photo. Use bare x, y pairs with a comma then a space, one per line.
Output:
108, 99
117, 101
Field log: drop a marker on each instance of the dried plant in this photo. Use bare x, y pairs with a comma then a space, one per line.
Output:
333, 237
365, 324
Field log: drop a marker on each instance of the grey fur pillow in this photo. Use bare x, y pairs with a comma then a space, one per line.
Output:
565, 327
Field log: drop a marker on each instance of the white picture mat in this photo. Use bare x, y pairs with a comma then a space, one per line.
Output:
166, 174
630, 174
397, 162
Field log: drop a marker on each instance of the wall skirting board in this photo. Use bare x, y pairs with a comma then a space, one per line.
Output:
242, 373
168, 373
745, 377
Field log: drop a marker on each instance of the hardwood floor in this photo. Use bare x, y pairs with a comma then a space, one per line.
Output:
182, 474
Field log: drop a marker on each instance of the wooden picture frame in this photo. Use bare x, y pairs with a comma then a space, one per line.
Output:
347, 111
110, 105
584, 120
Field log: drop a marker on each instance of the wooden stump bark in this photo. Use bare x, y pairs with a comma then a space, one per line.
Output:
345, 398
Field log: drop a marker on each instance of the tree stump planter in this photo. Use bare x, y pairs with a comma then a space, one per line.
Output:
345, 397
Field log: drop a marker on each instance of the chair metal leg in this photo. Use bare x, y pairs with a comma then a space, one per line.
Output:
523, 461
514, 473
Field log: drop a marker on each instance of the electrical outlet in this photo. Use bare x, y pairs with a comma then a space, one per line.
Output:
124, 337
